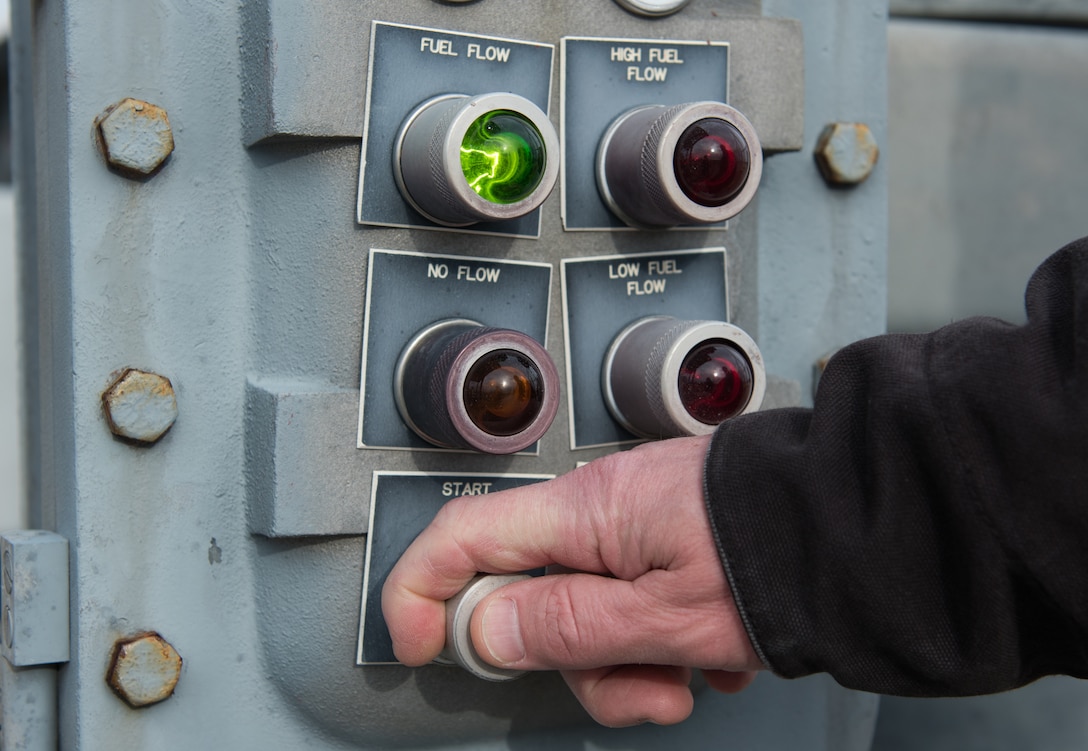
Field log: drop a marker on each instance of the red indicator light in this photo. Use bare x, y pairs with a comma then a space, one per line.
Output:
504, 392
711, 162
715, 382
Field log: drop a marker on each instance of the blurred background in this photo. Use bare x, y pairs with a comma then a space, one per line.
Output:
988, 112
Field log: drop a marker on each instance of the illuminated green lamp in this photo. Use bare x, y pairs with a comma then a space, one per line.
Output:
503, 156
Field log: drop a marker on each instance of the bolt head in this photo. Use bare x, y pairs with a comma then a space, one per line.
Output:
846, 153
140, 406
136, 136
144, 669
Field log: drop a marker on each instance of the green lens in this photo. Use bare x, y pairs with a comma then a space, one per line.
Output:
502, 156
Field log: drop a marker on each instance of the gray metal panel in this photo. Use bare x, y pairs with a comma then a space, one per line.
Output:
1029, 11
822, 260
303, 64
34, 598
984, 162
304, 477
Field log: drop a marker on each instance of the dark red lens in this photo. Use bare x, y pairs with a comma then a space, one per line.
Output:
504, 392
715, 382
711, 162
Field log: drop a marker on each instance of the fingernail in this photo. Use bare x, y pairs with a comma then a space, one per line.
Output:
502, 631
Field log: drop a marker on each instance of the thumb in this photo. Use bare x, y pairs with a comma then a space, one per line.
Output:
581, 621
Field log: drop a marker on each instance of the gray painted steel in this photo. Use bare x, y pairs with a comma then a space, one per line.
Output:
238, 272
1028, 11
985, 161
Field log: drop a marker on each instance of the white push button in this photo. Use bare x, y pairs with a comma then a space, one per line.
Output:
459, 648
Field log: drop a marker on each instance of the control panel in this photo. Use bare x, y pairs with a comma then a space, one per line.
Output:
381, 255
456, 354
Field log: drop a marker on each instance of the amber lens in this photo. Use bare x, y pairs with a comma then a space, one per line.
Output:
504, 392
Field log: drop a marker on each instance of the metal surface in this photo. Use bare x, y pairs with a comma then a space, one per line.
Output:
34, 598
1024, 11
846, 153
241, 272
136, 136
144, 670
459, 648
28, 697
139, 406
988, 125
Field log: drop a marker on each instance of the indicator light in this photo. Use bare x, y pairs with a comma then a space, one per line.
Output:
711, 161
459, 160
503, 157
461, 385
663, 377
715, 382
504, 392
690, 164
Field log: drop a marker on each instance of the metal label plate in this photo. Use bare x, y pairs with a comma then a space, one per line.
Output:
601, 79
402, 504
410, 64
406, 291
603, 295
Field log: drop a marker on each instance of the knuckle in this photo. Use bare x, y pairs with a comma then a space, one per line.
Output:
566, 637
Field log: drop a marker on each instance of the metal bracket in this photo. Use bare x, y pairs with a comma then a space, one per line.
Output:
34, 598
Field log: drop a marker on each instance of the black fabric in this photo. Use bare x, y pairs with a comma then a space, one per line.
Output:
924, 529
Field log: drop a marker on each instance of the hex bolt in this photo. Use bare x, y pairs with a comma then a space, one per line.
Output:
144, 669
846, 153
140, 407
136, 137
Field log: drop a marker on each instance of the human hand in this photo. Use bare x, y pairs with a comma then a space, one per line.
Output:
644, 602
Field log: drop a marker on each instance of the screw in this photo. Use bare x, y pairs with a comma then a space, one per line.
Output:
140, 406
136, 137
144, 669
846, 153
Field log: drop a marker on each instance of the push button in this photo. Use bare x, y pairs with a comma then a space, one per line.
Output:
663, 377
459, 384
459, 160
459, 649
697, 163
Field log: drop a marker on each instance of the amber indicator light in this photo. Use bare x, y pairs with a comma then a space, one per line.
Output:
504, 392
715, 382
711, 162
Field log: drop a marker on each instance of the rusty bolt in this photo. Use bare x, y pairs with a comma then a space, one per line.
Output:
846, 153
136, 136
140, 406
144, 669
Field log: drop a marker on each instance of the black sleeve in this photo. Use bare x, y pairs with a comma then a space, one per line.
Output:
924, 529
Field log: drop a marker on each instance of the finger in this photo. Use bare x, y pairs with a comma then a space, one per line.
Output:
501, 532
582, 621
579, 520
633, 694
728, 682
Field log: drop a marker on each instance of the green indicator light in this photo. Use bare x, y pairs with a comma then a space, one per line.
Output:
502, 156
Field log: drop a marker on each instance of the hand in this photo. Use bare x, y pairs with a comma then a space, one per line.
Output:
645, 601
